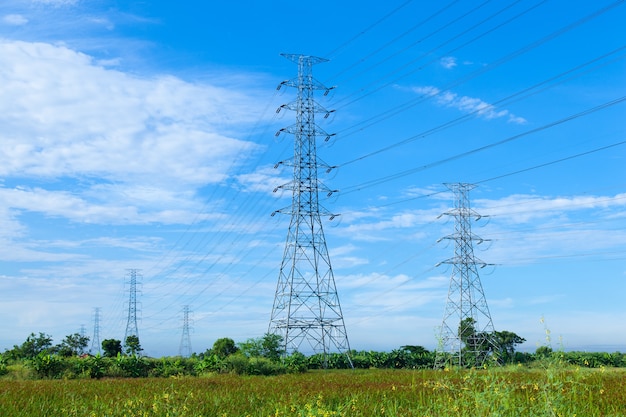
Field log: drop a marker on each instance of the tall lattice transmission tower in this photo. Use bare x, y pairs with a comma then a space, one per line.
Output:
306, 311
131, 325
185, 341
95, 341
466, 336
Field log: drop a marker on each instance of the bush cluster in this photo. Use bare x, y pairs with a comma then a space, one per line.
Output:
52, 366
262, 356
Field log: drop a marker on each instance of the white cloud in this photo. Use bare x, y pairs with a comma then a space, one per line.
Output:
104, 22
368, 226
57, 3
400, 291
529, 229
66, 116
517, 120
265, 179
521, 208
469, 105
448, 62
15, 19
113, 62
134, 149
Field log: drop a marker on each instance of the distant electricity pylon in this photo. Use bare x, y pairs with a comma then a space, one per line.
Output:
95, 342
185, 341
131, 324
306, 311
466, 336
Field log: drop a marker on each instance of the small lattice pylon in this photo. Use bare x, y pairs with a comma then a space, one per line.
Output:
467, 334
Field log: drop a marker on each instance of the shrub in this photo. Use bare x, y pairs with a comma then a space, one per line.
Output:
236, 364
96, 366
132, 366
296, 363
210, 363
265, 366
166, 367
3, 366
47, 366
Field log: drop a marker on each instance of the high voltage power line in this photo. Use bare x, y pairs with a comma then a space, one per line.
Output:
405, 3
519, 95
335, 51
411, 103
361, 157
250, 202
389, 43
430, 52
382, 180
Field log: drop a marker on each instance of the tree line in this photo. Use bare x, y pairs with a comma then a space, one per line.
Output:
37, 357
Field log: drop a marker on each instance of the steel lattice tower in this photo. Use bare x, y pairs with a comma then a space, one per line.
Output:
185, 341
131, 325
466, 336
306, 311
95, 342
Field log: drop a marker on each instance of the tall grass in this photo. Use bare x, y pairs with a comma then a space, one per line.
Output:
514, 391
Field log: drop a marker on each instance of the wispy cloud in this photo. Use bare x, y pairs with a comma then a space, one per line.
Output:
57, 3
448, 62
469, 105
15, 19
532, 229
90, 145
112, 124
522, 208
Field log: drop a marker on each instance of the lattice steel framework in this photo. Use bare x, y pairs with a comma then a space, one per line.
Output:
95, 342
466, 337
185, 341
131, 325
306, 311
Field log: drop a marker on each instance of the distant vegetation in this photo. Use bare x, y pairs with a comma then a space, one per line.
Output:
38, 358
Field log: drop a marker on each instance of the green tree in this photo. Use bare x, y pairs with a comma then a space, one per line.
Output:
111, 347
224, 347
478, 346
414, 349
272, 346
543, 351
505, 345
251, 348
73, 345
467, 332
132, 345
269, 346
32, 346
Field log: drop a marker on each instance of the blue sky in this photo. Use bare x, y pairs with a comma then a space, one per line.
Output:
141, 135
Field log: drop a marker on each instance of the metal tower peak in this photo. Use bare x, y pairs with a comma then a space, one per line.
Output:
310, 59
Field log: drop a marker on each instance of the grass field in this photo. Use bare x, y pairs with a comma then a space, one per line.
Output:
493, 392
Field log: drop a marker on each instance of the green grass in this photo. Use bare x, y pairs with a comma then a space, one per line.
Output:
494, 392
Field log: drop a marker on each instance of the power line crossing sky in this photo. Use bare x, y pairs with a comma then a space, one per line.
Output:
142, 135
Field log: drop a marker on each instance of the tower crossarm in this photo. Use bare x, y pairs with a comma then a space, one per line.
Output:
315, 108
